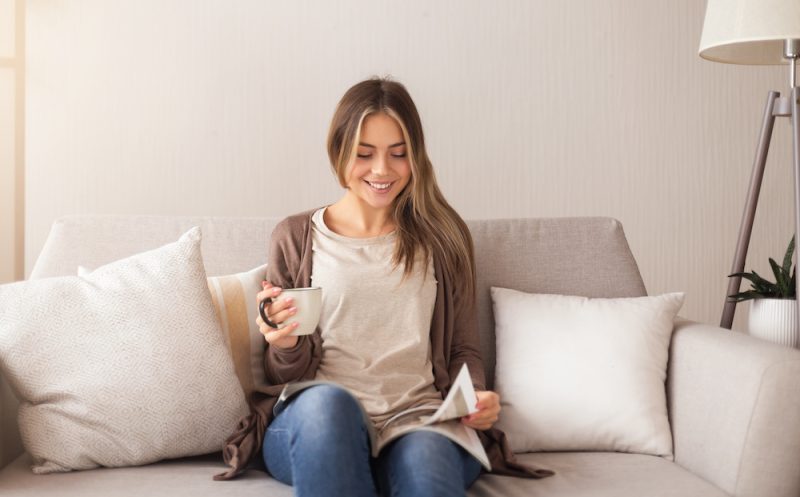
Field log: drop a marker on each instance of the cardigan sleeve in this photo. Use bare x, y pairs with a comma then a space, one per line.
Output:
285, 365
465, 346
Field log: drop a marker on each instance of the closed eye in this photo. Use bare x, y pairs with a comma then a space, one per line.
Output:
367, 156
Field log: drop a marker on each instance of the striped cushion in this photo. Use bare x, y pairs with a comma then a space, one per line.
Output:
234, 298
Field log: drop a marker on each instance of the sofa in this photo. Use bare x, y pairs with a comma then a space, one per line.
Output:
733, 400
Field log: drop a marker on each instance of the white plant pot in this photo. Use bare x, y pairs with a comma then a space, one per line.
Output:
774, 320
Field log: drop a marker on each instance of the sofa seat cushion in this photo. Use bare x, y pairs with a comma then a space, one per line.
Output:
184, 477
578, 474
598, 474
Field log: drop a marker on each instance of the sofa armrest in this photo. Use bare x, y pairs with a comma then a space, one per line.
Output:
734, 404
10, 444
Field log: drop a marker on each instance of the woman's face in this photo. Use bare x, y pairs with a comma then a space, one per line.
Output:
381, 168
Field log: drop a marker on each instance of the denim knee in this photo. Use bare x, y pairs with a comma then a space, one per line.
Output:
319, 444
323, 407
424, 463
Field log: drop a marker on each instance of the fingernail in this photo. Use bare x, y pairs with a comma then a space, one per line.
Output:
263, 284
276, 291
289, 300
293, 310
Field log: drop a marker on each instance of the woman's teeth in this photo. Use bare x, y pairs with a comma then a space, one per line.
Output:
379, 186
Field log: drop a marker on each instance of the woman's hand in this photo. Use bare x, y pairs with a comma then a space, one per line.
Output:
277, 312
488, 411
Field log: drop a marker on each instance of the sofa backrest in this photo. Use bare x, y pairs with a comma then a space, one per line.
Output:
586, 256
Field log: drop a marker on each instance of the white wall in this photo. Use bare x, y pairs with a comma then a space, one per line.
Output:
11, 118
530, 108
8, 262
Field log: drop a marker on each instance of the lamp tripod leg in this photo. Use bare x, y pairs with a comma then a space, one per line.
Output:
746, 226
795, 106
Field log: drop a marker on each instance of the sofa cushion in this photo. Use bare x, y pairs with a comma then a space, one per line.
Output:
578, 474
586, 256
578, 373
124, 366
234, 303
598, 474
234, 297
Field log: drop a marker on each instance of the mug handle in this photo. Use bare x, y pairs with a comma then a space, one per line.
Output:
263, 312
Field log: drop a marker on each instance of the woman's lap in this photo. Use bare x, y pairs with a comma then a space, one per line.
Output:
319, 442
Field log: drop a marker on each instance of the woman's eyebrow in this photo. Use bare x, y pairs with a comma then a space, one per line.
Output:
373, 146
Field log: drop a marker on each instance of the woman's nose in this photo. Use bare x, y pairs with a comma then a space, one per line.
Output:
380, 166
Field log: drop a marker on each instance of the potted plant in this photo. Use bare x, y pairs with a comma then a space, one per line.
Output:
773, 310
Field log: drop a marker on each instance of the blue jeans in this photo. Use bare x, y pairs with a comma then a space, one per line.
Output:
319, 444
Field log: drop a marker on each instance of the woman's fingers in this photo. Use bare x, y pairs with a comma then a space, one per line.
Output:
278, 313
280, 309
271, 292
274, 333
273, 336
277, 318
488, 411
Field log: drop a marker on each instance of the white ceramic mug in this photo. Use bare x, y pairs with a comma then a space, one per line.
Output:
309, 304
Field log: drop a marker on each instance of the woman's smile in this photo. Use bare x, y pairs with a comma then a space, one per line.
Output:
380, 187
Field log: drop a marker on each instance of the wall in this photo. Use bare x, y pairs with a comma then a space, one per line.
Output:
12, 71
530, 108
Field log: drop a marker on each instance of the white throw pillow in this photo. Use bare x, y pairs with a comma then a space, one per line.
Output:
576, 373
125, 366
234, 301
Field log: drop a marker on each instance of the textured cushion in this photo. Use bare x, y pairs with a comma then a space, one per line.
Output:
575, 373
234, 303
124, 366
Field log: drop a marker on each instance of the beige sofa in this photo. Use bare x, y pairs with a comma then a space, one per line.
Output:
734, 401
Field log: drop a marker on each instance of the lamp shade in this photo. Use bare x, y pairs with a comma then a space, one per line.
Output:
749, 31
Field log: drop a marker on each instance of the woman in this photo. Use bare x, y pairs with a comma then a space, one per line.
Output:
398, 319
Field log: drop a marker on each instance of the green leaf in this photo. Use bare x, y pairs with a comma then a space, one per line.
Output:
787, 259
739, 297
783, 287
758, 282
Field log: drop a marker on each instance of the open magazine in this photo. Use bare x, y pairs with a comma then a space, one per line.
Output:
443, 419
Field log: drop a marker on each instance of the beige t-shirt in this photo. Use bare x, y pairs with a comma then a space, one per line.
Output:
375, 328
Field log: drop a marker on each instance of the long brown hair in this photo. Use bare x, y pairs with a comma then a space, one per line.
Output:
424, 219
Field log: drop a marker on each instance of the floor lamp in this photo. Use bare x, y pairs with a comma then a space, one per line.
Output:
757, 32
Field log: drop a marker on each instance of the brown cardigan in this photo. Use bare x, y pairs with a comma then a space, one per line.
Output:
454, 341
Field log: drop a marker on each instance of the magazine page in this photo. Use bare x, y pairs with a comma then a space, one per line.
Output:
461, 400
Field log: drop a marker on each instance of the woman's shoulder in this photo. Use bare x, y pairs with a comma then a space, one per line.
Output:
294, 225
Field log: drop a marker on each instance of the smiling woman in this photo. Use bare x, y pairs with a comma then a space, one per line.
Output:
397, 323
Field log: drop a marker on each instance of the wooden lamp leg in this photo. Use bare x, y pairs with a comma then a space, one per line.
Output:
746, 227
